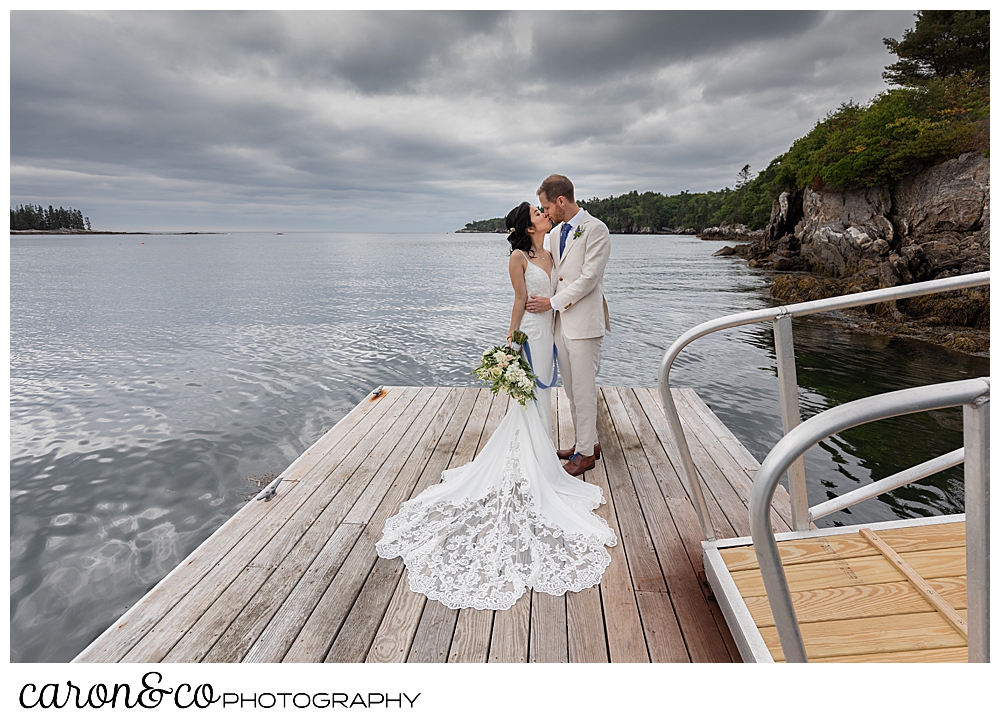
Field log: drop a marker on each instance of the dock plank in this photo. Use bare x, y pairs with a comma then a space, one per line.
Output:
471, 641
663, 633
586, 634
639, 552
935, 655
720, 431
358, 632
663, 469
870, 636
548, 629
689, 529
861, 601
280, 631
657, 420
211, 626
849, 545
931, 564
509, 640
432, 640
398, 626
586, 638
736, 474
688, 601
623, 625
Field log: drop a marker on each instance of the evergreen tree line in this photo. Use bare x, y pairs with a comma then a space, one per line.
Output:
939, 111
38, 218
651, 212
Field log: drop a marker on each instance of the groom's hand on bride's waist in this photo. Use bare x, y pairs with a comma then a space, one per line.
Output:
537, 304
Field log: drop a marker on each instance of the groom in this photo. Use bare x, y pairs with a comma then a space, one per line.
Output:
581, 315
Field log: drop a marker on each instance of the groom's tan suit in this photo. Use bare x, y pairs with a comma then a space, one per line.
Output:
581, 319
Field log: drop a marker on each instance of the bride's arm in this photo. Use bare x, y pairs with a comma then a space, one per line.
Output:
516, 268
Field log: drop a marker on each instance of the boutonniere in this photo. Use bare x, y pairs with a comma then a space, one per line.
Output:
578, 232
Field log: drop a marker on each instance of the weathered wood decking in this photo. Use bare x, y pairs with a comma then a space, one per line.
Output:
297, 579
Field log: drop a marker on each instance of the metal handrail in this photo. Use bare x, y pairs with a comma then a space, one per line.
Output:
973, 395
781, 316
887, 484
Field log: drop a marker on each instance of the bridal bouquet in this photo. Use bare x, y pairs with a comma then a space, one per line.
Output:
505, 370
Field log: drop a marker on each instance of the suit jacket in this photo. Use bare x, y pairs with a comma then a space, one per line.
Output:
579, 295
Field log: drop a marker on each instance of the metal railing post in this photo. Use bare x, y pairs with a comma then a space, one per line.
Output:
786, 375
972, 392
788, 390
687, 463
976, 423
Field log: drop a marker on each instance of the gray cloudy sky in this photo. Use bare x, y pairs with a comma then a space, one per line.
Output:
395, 121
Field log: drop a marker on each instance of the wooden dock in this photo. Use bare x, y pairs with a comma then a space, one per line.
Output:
884, 592
297, 579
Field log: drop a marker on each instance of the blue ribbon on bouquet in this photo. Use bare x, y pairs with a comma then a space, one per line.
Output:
555, 366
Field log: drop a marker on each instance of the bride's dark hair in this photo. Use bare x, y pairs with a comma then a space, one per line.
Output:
517, 222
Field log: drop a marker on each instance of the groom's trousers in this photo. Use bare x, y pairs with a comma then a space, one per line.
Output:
578, 362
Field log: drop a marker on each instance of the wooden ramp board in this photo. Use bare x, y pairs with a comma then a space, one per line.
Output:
297, 578
852, 603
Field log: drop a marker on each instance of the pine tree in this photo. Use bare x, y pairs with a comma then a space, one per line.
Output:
942, 44
37, 218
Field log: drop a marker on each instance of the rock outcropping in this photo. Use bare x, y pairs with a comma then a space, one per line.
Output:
931, 225
735, 232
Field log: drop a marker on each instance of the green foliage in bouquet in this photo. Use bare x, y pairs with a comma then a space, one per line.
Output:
505, 370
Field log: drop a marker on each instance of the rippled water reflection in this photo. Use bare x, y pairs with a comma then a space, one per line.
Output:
149, 380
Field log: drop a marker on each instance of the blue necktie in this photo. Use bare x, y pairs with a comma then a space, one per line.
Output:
563, 235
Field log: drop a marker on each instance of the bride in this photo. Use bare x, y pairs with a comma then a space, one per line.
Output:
512, 518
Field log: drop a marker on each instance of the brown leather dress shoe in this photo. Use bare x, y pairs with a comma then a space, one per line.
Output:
567, 453
578, 464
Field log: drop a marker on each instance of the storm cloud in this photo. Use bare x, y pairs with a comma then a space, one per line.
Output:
411, 121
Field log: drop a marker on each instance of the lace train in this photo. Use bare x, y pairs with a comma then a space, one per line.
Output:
482, 547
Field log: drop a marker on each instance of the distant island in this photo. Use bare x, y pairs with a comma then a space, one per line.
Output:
39, 218
491, 225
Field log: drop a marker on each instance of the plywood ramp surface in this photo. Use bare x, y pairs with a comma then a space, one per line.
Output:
297, 579
853, 605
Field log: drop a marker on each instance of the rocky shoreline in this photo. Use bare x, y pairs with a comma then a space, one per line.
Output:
932, 225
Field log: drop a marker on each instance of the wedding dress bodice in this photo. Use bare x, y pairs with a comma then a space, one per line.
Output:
538, 327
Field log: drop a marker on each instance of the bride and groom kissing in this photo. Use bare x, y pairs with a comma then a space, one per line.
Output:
515, 518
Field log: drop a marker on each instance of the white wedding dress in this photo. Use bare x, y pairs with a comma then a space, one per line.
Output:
512, 518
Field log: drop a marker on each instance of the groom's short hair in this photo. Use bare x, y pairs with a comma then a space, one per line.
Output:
555, 186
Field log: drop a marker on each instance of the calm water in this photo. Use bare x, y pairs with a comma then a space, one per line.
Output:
150, 380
